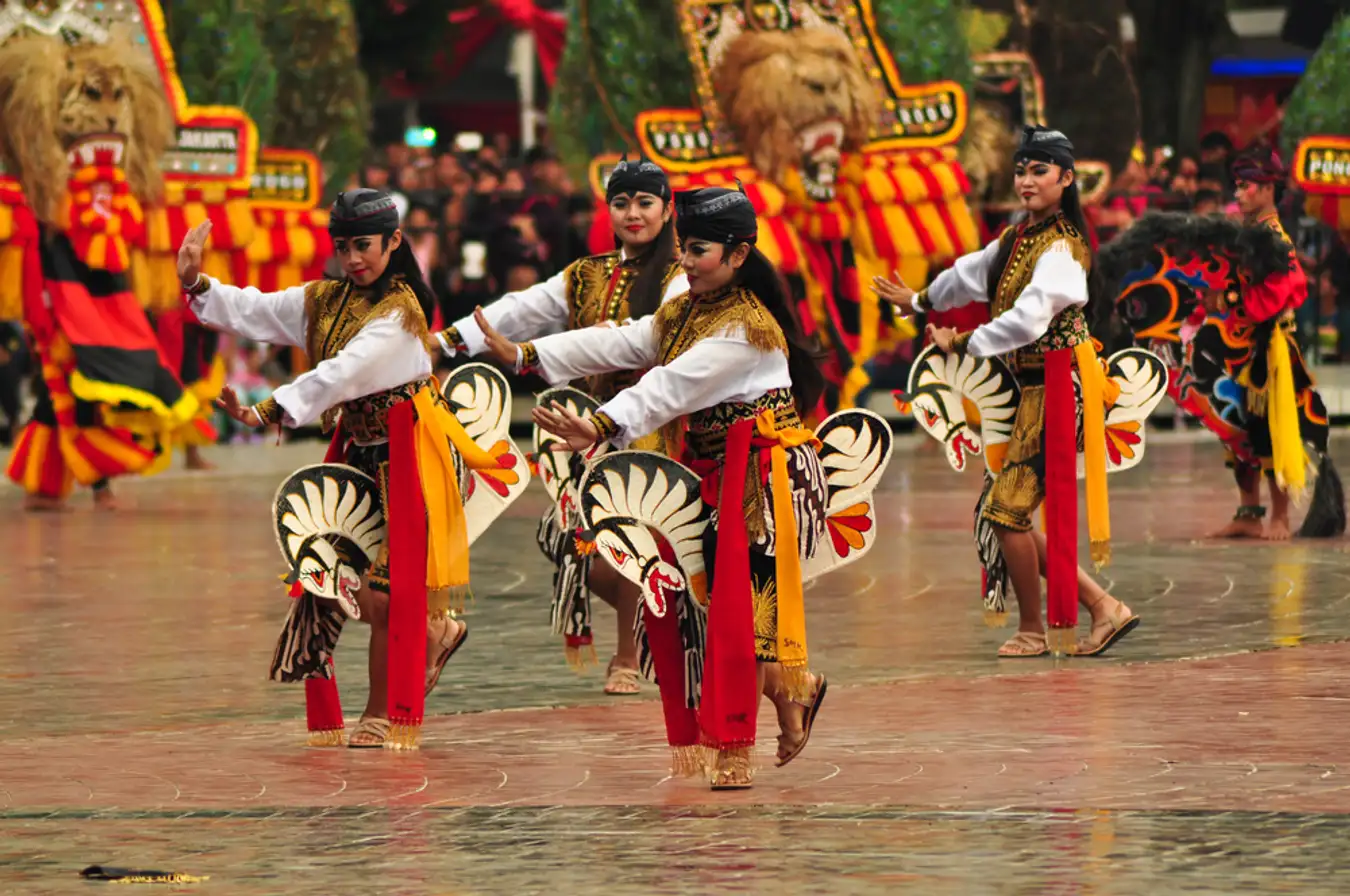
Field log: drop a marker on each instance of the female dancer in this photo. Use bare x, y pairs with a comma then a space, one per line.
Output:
367, 337
1035, 279
728, 359
630, 282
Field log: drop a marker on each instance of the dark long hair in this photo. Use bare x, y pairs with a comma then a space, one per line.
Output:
1099, 306
757, 274
402, 263
645, 295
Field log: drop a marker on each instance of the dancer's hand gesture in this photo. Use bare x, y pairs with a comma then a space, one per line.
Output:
498, 346
897, 293
229, 403
942, 337
576, 431
190, 254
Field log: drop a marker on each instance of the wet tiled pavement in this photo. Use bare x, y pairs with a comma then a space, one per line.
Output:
137, 729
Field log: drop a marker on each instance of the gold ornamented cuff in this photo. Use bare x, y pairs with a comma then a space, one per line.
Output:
605, 425
529, 357
453, 339
268, 411
960, 341
920, 300
199, 286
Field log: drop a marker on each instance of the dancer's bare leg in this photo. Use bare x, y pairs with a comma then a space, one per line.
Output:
103, 495
608, 584
1249, 495
791, 713
1024, 571
1279, 514
196, 460
375, 612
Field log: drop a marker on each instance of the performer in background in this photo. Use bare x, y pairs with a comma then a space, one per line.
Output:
1279, 396
1035, 279
367, 338
730, 375
630, 282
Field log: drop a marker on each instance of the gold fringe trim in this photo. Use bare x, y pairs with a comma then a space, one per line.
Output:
580, 658
334, 738
688, 762
798, 683
161, 879
994, 619
404, 737
447, 603
1061, 640
1101, 554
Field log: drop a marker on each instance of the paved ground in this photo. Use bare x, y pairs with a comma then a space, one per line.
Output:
137, 729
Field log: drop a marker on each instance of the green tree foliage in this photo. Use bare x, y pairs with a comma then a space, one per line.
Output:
1320, 104
222, 60
323, 101
927, 39
621, 58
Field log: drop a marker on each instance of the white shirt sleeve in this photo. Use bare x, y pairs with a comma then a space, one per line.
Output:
277, 318
715, 369
536, 311
568, 356
1057, 282
382, 356
964, 282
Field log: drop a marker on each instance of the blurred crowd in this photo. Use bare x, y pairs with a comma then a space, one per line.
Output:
482, 217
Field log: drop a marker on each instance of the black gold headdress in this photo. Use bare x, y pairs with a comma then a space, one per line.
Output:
717, 215
629, 178
1044, 145
363, 212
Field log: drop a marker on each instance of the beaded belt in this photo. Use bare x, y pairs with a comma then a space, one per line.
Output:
707, 436
366, 419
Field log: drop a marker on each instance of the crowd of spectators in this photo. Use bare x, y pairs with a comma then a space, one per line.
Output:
483, 219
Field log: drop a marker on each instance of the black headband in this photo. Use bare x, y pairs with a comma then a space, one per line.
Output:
629, 178
717, 215
363, 212
1044, 145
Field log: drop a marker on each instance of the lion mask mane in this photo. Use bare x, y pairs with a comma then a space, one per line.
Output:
796, 100
53, 94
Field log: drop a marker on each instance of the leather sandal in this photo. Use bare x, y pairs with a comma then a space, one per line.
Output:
1024, 645
369, 727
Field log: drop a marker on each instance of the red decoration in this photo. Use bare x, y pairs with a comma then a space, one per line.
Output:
477, 26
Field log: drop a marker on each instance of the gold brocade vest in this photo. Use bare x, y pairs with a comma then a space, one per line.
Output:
1029, 243
336, 311
684, 321
597, 291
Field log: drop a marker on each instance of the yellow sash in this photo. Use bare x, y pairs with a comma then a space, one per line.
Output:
434, 431
792, 653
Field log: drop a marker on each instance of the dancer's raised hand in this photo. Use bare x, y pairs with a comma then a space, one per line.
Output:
190, 254
229, 403
895, 292
576, 431
498, 346
942, 337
